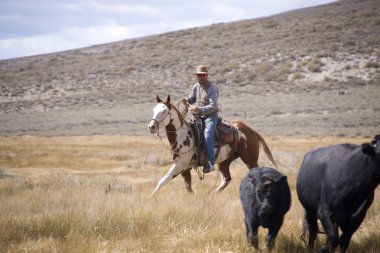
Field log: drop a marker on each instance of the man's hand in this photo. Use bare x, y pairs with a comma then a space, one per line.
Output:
195, 109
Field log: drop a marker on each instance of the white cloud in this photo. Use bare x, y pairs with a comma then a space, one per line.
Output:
65, 40
43, 26
76, 38
228, 12
127, 9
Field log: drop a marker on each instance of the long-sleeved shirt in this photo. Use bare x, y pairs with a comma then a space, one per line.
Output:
205, 97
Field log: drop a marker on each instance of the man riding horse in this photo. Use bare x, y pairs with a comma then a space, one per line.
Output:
204, 100
242, 142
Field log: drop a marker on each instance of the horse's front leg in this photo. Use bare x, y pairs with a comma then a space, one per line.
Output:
174, 171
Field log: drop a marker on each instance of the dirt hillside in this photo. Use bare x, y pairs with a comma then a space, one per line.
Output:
313, 71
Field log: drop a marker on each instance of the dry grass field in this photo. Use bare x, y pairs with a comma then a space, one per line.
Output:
91, 194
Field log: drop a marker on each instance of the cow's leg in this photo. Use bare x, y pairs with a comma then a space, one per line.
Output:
312, 226
331, 228
252, 233
224, 170
352, 224
174, 170
186, 175
272, 233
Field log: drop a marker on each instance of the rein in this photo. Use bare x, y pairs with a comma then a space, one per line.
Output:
166, 131
158, 122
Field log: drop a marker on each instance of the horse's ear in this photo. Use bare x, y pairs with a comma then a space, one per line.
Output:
168, 100
158, 99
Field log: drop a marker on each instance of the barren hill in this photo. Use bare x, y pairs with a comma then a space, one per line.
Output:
313, 71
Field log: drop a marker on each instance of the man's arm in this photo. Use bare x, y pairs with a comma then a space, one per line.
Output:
193, 95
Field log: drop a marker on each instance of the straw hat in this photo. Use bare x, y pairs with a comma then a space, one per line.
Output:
201, 69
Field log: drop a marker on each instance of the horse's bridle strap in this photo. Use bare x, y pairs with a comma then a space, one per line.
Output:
158, 122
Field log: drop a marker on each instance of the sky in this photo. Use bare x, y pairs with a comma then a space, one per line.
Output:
31, 27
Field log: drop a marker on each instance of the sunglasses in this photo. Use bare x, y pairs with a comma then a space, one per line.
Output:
201, 75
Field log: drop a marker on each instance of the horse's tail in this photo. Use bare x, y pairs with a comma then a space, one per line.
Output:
266, 149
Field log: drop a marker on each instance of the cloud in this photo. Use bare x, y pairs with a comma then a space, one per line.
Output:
65, 40
228, 12
43, 26
75, 37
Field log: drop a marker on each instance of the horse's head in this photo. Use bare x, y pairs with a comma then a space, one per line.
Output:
161, 115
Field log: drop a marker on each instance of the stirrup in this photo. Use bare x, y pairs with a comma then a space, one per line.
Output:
208, 168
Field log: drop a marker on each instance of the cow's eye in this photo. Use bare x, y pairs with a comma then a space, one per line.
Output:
264, 191
266, 187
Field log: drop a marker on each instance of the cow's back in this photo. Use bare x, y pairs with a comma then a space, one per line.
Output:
336, 186
312, 172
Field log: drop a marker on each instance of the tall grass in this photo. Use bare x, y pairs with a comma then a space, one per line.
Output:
90, 194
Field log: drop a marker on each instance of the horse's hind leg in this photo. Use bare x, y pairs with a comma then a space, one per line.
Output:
186, 175
224, 169
250, 156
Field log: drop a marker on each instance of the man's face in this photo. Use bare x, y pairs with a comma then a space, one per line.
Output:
202, 78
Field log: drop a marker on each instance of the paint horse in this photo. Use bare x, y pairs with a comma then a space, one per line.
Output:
181, 138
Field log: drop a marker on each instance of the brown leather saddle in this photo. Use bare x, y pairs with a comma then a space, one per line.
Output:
226, 133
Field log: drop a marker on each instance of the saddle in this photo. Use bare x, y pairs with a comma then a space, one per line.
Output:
226, 133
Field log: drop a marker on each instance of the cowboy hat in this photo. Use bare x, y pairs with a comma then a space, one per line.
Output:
201, 69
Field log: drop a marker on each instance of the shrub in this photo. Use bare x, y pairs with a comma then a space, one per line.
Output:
303, 63
284, 69
296, 76
372, 64
228, 67
4, 173
347, 67
270, 24
263, 68
313, 67
348, 42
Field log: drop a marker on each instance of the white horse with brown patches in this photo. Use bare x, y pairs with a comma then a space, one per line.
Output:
180, 136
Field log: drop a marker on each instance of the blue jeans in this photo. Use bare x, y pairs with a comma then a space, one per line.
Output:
209, 133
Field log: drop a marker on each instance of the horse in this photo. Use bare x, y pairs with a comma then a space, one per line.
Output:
182, 141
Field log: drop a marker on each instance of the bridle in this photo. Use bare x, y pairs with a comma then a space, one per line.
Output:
166, 131
158, 122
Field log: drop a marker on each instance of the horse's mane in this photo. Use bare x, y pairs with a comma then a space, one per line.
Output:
180, 116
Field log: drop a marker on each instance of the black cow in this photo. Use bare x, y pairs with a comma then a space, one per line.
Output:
336, 185
265, 196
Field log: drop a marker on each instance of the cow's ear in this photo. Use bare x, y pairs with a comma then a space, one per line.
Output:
367, 149
279, 178
253, 177
266, 181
